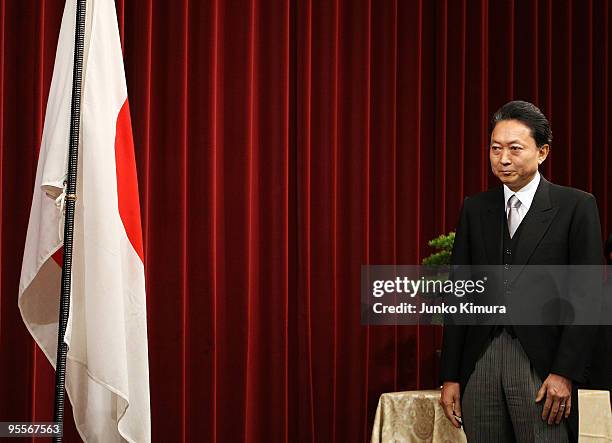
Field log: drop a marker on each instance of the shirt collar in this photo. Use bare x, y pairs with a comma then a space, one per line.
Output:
525, 194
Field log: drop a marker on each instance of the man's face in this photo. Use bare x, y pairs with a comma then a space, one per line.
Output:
513, 153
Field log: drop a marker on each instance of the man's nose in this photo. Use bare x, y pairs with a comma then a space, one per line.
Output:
505, 157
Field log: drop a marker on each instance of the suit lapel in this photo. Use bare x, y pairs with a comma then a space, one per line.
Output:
492, 225
536, 223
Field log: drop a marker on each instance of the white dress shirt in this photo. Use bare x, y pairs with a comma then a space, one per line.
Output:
525, 196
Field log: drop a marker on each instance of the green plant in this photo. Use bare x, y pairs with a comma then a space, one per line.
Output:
444, 246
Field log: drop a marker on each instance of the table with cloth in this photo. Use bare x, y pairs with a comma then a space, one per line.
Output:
416, 416
413, 416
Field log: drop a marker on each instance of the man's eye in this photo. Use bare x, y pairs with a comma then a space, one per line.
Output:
516, 148
495, 148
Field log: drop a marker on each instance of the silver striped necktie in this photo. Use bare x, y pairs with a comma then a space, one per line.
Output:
514, 218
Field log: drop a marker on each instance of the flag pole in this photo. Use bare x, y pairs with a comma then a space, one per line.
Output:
71, 185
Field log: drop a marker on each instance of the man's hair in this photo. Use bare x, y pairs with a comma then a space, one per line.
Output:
528, 114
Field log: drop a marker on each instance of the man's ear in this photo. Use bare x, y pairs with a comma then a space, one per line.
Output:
543, 153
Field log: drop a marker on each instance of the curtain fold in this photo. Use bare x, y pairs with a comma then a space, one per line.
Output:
280, 145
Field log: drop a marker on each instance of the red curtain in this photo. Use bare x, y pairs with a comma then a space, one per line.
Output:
280, 145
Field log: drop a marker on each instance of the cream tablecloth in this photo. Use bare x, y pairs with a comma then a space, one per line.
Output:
413, 416
595, 421
416, 416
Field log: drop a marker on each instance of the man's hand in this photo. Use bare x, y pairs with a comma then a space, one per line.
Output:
558, 393
450, 402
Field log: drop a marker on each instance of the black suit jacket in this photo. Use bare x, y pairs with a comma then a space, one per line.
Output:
561, 228
600, 372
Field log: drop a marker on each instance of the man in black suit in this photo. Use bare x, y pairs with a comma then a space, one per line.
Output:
600, 371
518, 383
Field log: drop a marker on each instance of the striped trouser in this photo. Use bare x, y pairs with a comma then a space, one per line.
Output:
498, 403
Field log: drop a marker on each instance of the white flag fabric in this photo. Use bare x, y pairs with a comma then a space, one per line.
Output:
107, 376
